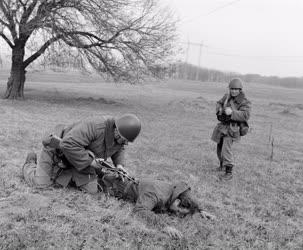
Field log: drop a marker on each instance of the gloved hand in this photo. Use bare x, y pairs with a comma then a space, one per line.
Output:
228, 111
219, 109
122, 168
94, 164
206, 215
223, 117
173, 232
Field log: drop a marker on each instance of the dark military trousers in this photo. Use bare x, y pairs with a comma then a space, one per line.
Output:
44, 174
225, 152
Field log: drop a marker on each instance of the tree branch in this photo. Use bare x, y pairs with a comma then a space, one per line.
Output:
100, 42
23, 4
7, 40
27, 12
7, 12
120, 38
41, 50
104, 62
4, 23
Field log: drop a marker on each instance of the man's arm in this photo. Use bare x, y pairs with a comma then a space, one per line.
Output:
243, 113
74, 144
118, 158
222, 112
220, 104
143, 209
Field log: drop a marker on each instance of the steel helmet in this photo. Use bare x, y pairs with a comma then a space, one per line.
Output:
128, 126
236, 83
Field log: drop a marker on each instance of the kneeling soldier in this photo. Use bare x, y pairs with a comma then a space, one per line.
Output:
70, 158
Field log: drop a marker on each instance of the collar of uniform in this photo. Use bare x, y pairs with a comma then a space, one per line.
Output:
239, 98
109, 131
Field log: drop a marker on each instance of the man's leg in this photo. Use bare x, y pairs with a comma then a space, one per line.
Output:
227, 157
219, 154
38, 175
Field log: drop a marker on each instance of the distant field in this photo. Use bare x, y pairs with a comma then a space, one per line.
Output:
261, 208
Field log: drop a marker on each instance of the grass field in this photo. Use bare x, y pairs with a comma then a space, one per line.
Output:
261, 208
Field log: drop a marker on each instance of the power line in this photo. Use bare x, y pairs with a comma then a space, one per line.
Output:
218, 51
221, 7
212, 11
263, 57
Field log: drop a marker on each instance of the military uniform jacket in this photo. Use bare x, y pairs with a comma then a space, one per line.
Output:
79, 139
156, 196
241, 107
149, 195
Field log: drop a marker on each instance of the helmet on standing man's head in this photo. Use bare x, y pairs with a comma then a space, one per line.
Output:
235, 83
128, 126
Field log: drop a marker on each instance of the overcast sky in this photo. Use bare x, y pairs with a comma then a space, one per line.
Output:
245, 36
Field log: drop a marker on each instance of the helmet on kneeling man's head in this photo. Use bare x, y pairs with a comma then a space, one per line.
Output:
235, 83
128, 126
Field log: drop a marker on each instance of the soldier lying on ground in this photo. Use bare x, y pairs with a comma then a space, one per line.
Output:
152, 196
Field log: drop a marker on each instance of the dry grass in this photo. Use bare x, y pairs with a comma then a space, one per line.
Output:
261, 208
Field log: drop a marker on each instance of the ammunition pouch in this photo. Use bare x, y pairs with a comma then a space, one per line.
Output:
62, 162
244, 127
234, 130
52, 142
237, 129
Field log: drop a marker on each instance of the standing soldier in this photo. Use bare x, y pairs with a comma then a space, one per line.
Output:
70, 158
233, 112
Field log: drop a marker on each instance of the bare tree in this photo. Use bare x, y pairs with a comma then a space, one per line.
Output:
117, 37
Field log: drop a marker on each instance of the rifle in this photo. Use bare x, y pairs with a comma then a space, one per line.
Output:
226, 100
221, 116
107, 166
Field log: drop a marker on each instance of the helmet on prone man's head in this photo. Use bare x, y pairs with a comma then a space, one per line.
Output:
235, 83
128, 126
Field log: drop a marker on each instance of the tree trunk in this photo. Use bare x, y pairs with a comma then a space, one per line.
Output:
15, 83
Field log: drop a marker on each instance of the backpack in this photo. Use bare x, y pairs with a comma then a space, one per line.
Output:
244, 127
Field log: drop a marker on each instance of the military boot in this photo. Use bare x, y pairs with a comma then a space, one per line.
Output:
220, 168
228, 173
30, 158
